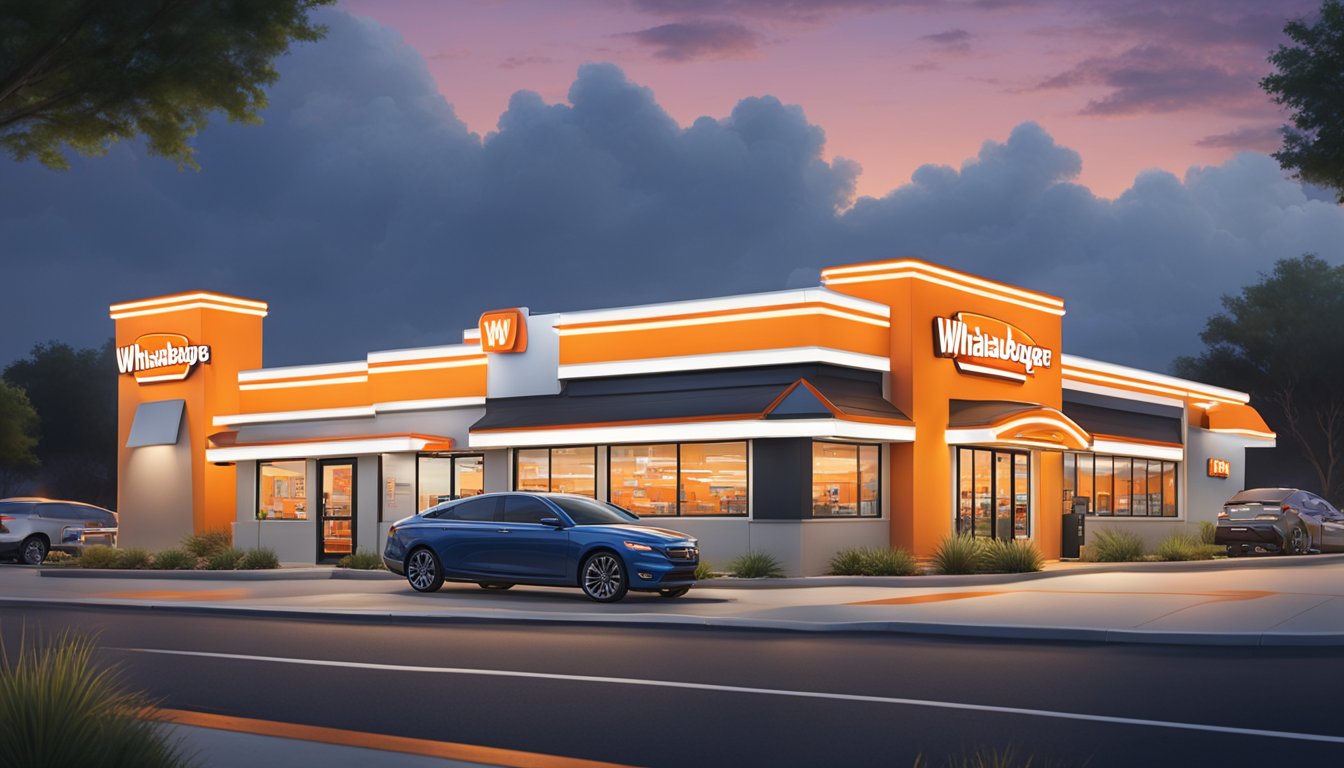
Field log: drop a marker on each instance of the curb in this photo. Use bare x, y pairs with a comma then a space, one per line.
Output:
278, 574
660, 621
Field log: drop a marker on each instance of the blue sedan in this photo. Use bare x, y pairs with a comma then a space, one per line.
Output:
544, 539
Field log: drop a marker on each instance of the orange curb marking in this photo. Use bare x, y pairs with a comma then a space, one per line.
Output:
447, 750
179, 594
1223, 595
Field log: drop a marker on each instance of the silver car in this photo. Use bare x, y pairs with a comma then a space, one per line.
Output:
31, 527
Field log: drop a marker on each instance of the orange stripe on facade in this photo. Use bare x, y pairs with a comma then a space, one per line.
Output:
631, 423
899, 268
445, 750
728, 315
1137, 440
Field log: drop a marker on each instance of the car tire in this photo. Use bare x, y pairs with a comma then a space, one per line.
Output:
423, 571
1299, 541
674, 592
602, 577
499, 585
33, 550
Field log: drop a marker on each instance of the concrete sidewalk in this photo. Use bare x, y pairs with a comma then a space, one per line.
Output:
1250, 601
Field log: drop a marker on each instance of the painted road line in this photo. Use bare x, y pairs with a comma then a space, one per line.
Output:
467, 753
1215, 596
954, 705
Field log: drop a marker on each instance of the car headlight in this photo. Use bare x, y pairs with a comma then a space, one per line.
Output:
636, 546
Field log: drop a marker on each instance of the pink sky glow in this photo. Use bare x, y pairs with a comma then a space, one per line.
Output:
895, 83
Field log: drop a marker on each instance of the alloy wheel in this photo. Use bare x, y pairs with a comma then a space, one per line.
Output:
34, 552
422, 570
1299, 542
604, 578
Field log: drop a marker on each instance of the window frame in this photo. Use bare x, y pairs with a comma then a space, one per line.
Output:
746, 481
550, 462
858, 475
256, 500
451, 458
1133, 463
993, 516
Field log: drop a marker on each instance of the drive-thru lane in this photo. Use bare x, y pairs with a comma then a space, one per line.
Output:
712, 697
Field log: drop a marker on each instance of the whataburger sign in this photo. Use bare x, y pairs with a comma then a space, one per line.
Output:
988, 346
160, 357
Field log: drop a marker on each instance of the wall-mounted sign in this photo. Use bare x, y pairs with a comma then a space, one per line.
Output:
1220, 468
988, 346
160, 357
504, 330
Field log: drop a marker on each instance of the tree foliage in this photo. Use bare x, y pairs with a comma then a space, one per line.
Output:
74, 392
1309, 80
1282, 341
82, 74
18, 427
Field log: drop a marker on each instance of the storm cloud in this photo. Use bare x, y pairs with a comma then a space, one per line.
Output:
371, 218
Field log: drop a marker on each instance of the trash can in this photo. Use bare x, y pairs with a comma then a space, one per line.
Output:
1074, 530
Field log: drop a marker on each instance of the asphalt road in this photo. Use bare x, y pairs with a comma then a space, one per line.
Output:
680, 697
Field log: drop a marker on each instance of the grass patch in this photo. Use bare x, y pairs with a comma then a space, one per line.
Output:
99, 556
958, 555
873, 561
208, 544
260, 559
174, 560
1016, 556
60, 708
224, 560
60, 559
363, 560
1115, 546
1206, 531
756, 565
1185, 547
703, 571
133, 558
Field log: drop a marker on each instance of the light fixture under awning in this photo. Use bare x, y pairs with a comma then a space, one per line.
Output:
156, 423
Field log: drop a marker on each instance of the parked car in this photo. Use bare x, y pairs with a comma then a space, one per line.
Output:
32, 527
546, 539
1286, 520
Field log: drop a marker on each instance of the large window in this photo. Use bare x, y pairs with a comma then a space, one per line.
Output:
444, 477
556, 470
1122, 486
993, 493
282, 492
679, 479
845, 480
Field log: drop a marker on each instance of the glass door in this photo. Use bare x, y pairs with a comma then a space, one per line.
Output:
336, 510
993, 493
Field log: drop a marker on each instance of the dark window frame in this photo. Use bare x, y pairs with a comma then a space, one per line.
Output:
452, 476
1071, 483
963, 450
858, 473
256, 497
550, 462
747, 482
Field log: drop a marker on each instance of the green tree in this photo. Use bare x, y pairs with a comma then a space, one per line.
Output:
1309, 80
83, 74
74, 392
1281, 341
18, 436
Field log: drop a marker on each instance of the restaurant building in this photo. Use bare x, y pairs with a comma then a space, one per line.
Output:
897, 403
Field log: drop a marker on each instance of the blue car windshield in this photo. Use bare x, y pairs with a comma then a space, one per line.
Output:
593, 512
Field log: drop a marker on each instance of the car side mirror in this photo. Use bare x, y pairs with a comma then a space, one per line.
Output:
553, 522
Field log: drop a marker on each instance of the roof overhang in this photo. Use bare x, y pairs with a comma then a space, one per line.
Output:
676, 431
223, 449
1017, 424
1242, 420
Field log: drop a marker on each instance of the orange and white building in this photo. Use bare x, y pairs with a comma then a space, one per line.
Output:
897, 403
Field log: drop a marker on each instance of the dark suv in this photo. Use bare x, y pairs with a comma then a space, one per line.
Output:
1285, 520
30, 528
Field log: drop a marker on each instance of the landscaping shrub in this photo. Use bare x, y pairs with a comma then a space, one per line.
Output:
362, 559
756, 565
175, 560
224, 560
260, 559
1206, 531
873, 561
133, 558
703, 571
208, 544
60, 559
1115, 546
60, 708
99, 556
958, 554
1184, 547
1016, 556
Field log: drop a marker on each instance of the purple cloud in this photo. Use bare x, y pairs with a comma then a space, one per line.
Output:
514, 62
1263, 138
950, 37
1155, 79
691, 40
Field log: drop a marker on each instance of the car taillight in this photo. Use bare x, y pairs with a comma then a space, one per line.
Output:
4, 518
1286, 508
1222, 515
391, 531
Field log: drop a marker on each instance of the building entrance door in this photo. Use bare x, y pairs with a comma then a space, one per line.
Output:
993, 493
336, 509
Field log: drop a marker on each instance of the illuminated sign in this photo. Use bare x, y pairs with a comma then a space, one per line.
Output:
988, 346
160, 357
1220, 468
504, 330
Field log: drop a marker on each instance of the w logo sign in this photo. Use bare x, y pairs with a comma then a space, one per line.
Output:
504, 330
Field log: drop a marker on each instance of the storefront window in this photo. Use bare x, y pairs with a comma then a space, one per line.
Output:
557, 470
686, 479
845, 480
468, 476
435, 481
282, 490
993, 493
1123, 486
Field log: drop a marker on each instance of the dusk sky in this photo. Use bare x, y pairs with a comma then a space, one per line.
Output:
428, 161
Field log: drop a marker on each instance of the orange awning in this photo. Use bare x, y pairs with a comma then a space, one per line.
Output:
1237, 420
1005, 422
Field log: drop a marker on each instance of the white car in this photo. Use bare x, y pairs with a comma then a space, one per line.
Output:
32, 527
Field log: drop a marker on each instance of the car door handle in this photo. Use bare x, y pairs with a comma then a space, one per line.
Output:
502, 530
